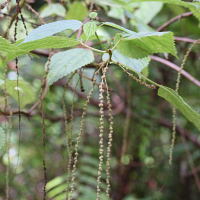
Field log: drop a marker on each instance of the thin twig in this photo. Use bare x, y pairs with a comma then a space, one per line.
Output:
38, 102
185, 39
173, 20
175, 67
13, 18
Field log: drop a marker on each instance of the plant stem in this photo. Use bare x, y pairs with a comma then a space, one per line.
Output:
100, 42
97, 50
115, 45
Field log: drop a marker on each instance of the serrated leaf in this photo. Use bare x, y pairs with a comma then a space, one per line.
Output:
77, 10
177, 101
65, 62
51, 29
130, 63
53, 8
12, 50
2, 137
89, 29
7, 47
150, 43
26, 94
48, 43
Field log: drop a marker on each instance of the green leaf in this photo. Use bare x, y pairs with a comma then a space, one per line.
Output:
117, 13
191, 6
2, 137
130, 63
51, 29
147, 11
147, 43
177, 101
11, 49
93, 14
89, 29
65, 62
53, 8
26, 94
117, 27
7, 47
48, 43
77, 10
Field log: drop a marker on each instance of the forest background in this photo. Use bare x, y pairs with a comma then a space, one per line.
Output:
142, 121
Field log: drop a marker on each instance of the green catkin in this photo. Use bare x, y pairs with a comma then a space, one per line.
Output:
126, 125
174, 114
101, 128
66, 131
71, 129
174, 109
80, 134
43, 121
140, 81
109, 144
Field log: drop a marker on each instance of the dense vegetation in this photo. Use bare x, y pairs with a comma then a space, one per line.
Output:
90, 105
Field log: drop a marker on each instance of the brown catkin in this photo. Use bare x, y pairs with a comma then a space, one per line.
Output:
3, 5
174, 116
80, 134
101, 129
174, 109
71, 127
66, 132
109, 143
43, 122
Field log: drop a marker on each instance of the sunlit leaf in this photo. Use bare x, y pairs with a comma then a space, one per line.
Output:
65, 62
7, 47
51, 29
48, 43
